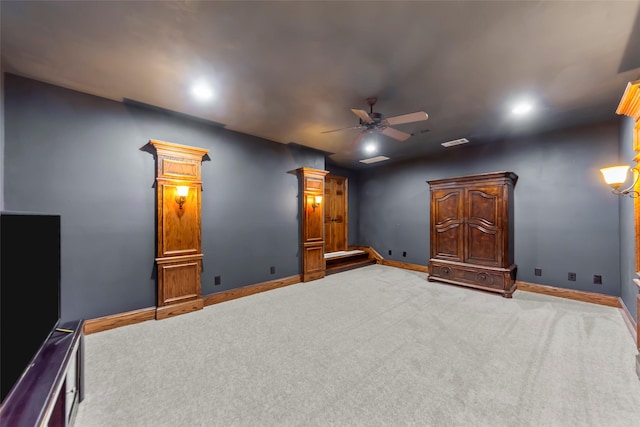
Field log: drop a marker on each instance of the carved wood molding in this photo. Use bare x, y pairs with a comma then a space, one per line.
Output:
630, 102
170, 149
179, 241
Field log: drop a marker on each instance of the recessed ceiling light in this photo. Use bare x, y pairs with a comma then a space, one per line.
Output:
370, 148
201, 90
374, 159
522, 108
455, 142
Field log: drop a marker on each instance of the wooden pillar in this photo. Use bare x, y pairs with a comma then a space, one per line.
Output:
630, 106
311, 192
179, 254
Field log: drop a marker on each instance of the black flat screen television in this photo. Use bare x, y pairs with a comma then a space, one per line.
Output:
29, 290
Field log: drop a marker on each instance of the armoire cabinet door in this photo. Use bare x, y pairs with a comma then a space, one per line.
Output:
447, 220
483, 226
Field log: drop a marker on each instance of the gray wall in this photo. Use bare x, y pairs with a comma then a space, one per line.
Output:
566, 220
354, 197
80, 156
627, 230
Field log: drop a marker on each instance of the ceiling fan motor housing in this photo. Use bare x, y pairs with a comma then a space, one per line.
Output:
377, 119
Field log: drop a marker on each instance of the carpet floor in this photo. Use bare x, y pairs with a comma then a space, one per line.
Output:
375, 346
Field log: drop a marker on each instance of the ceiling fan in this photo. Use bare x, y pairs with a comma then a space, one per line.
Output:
375, 122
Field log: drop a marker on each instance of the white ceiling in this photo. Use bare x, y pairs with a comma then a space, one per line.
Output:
289, 70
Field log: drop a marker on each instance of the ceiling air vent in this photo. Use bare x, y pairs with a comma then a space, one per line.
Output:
455, 142
374, 159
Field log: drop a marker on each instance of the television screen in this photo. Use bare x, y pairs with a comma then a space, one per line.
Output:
29, 289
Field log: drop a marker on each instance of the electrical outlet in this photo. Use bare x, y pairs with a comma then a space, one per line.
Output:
597, 279
537, 272
389, 251
572, 277
404, 254
273, 269
216, 280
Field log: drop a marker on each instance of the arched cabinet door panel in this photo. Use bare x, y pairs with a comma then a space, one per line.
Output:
448, 231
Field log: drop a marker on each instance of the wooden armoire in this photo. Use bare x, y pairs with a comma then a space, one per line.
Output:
472, 232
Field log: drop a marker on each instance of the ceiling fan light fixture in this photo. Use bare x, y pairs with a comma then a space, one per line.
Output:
455, 142
370, 148
374, 122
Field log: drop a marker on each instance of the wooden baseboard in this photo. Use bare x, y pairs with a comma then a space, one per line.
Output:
592, 297
180, 308
406, 265
398, 264
251, 289
372, 252
105, 323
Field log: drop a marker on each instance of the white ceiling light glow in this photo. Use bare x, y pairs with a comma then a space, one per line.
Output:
522, 108
201, 90
370, 148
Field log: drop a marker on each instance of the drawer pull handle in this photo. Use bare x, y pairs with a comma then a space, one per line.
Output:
483, 277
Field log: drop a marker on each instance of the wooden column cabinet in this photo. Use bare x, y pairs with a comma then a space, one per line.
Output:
472, 232
311, 186
630, 106
179, 249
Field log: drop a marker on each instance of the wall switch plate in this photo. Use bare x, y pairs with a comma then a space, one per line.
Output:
537, 272
389, 251
597, 279
216, 280
572, 277
273, 269
404, 254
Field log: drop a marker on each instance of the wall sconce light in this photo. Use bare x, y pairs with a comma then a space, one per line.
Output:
317, 201
615, 176
182, 191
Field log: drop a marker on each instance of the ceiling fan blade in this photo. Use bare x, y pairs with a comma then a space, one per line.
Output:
408, 118
336, 130
364, 116
395, 134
